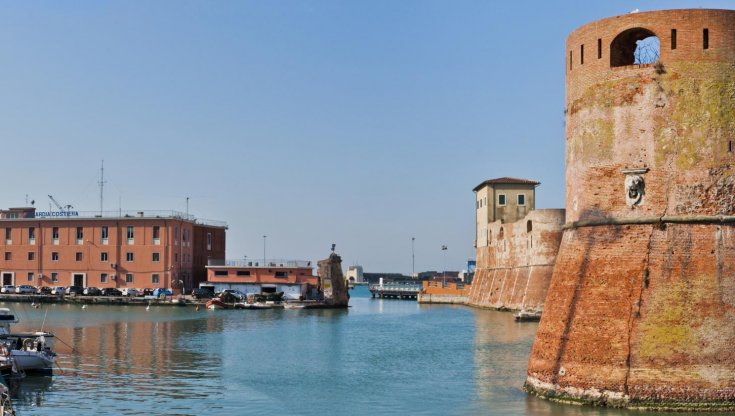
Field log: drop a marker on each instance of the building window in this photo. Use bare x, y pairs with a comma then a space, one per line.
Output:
31, 255
521, 199
156, 234
176, 256
80, 233
30, 276
220, 272
54, 277
130, 234
103, 256
155, 278
55, 256
176, 236
8, 256
129, 278
55, 235
281, 274
129, 256
79, 256
243, 272
105, 234
8, 234
103, 277
501, 199
156, 257
31, 234
209, 241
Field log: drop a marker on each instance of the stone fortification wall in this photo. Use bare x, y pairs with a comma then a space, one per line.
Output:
514, 270
641, 307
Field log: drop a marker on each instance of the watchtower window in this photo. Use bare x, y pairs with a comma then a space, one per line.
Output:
570, 60
599, 48
529, 226
635, 46
581, 54
705, 39
673, 39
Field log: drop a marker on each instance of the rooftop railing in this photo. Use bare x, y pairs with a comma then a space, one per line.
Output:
270, 263
168, 214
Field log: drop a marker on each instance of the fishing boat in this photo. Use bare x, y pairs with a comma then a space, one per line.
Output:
31, 352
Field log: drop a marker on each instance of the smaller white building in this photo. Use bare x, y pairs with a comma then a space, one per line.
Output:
354, 274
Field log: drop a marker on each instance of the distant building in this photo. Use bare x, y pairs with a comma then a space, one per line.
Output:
516, 245
504, 199
151, 249
354, 274
292, 277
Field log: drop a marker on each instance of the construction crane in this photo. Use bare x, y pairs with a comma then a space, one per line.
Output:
61, 208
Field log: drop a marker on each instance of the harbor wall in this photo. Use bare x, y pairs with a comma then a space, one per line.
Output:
641, 308
514, 270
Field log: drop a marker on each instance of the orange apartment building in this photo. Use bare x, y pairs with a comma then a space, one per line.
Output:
158, 249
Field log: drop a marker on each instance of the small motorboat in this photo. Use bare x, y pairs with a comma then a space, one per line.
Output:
525, 315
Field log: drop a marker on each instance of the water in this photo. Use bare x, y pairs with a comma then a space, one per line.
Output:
378, 357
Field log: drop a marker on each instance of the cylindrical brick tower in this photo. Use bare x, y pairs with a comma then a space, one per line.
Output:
641, 308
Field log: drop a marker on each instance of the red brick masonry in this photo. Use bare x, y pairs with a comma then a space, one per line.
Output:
641, 308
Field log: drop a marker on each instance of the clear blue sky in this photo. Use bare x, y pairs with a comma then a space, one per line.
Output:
314, 122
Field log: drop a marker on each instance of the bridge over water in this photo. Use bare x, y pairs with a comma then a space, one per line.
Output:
396, 290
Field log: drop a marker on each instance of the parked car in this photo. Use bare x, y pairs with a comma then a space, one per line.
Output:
129, 291
58, 291
25, 289
161, 292
111, 291
74, 290
43, 290
202, 293
236, 293
8, 289
91, 291
147, 292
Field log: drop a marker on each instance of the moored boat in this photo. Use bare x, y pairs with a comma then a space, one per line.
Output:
31, 352
527, 315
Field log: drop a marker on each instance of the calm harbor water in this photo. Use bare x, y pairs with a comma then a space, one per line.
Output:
378, 357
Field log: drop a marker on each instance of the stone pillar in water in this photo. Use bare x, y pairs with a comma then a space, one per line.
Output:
640, 312
333, 282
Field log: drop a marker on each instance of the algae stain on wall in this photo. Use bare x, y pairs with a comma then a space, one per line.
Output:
666, 330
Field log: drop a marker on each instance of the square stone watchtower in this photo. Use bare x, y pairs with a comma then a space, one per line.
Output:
504, 199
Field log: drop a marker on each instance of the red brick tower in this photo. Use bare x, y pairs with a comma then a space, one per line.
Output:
641, 307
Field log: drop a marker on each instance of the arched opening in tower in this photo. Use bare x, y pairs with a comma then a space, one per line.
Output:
637, 46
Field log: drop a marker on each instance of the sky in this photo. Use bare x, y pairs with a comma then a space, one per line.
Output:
359, 123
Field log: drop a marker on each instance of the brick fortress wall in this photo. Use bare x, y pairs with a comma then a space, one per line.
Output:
514, 270
641, 307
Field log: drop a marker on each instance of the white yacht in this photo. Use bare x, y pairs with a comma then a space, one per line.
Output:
32, 352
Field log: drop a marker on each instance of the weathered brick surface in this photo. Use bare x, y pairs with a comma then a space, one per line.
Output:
514, 269
643, 314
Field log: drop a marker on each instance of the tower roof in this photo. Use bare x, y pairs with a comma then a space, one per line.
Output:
506, 181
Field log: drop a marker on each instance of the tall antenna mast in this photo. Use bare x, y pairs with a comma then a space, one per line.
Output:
102, 186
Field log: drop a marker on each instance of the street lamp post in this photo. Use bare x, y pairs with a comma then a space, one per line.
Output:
444, 280
413, 259
264, 237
